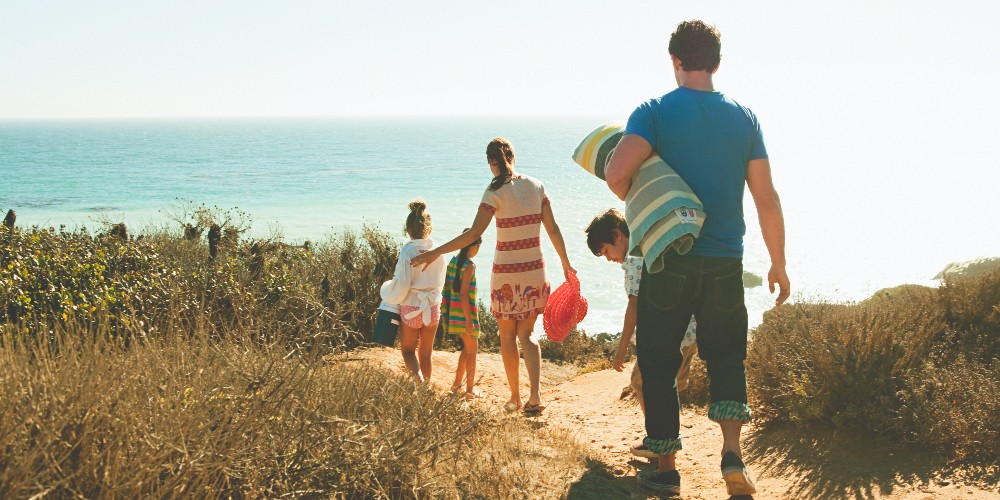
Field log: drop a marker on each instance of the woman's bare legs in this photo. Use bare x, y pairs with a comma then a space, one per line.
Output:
532, 357
511, 359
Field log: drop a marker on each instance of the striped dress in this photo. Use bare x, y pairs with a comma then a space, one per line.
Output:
451, 304
519, 287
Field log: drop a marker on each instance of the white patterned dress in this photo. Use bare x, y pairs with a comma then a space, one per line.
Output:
518, 287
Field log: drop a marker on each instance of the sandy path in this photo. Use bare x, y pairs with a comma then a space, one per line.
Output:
788, 463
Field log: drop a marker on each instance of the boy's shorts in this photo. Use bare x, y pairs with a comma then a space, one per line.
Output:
636, 382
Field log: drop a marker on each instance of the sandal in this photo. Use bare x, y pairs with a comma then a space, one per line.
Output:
530, 409
472, 395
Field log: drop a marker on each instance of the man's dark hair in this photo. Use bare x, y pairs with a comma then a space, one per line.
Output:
697, 45
601, 230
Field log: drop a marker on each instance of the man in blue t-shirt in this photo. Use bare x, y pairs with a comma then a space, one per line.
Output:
716, 146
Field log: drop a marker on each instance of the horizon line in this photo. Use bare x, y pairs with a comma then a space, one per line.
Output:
294, 116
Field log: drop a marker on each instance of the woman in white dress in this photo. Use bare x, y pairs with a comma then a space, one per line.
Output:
519, 289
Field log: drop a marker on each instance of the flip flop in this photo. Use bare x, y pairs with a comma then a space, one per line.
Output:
530, 409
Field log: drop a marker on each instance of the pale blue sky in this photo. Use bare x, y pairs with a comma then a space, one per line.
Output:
862, 63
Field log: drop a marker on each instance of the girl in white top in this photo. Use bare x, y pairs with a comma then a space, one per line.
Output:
417, 291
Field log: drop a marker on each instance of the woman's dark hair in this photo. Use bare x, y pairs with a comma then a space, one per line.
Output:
601, 230
697, 45
501, 151
463, 257
418, 223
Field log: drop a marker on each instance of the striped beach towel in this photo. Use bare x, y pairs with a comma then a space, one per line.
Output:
661, 210
452, 315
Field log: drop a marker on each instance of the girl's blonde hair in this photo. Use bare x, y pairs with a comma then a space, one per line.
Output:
418, 223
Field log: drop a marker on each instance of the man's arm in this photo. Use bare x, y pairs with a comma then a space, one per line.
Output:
772, 224
631, 151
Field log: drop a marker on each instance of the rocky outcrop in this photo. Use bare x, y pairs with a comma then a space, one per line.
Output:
969, 268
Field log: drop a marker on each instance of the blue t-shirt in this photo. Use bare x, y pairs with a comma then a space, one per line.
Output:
708, 139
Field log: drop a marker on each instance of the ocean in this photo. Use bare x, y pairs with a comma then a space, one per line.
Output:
854, 224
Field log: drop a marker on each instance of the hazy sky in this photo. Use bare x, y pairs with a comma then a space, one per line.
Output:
134, 58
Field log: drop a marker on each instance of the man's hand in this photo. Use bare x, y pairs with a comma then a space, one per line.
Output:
777, 275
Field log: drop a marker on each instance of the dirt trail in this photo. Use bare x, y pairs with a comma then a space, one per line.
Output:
787, 463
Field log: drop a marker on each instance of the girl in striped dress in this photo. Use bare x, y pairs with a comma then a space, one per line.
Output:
460, 315
519, 289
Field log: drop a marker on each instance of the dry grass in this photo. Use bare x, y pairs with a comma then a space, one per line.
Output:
204, 418
917, 363
143, 368
140, 367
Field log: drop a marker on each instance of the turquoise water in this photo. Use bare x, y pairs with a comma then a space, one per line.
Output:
312, 178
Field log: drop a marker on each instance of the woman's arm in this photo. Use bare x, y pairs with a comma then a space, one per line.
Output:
483, 218
555, 236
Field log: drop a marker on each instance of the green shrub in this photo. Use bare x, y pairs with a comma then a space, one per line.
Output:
158, 282
580, 348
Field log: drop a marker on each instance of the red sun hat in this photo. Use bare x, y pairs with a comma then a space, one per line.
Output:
565, 308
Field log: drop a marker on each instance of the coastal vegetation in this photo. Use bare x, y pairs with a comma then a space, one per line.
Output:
915, 363
193, 360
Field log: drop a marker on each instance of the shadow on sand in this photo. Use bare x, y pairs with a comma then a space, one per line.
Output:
599, 483
830, 464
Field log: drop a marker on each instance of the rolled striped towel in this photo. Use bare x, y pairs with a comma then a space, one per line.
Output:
661, 210
593, 153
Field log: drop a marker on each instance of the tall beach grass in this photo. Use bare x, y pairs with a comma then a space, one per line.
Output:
161, 365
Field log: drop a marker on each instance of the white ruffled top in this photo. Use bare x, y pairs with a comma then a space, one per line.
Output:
415, 286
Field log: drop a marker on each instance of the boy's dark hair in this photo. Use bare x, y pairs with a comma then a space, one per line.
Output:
697, 45
601, 230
